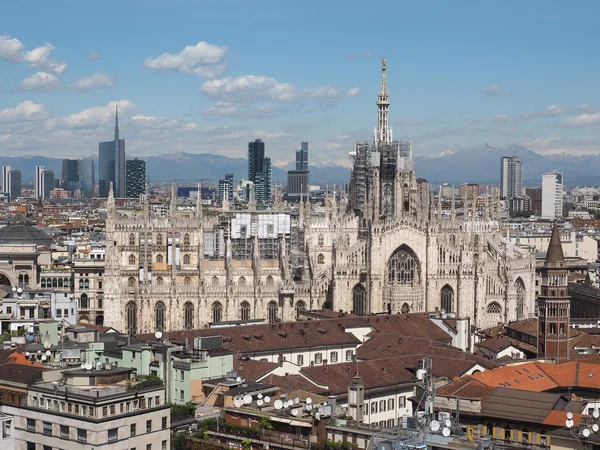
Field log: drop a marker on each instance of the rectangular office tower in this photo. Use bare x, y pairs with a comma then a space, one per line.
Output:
226, 184
298, 180
112, 164
259, 171
11, 183
511, 177
47, 183
78, 175
135, 173
38, 182
552, 195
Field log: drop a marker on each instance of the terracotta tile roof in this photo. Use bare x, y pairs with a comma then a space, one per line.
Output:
465, 387
415, 325
290, 383
251, 369
494, 344
20, 373
558, 418
270, 337
382, 345
378, 373
527, 326
91, 326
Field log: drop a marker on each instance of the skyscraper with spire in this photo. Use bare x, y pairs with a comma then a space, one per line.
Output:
112, 163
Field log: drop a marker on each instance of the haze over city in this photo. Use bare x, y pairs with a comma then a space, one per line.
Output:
209, 76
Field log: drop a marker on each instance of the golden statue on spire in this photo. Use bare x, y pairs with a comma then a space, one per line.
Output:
382, 63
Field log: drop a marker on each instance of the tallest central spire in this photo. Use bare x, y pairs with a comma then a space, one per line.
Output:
383, 104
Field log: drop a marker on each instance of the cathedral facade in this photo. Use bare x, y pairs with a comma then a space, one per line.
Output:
381, 247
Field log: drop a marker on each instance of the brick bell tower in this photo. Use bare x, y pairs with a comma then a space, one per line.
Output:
554, 304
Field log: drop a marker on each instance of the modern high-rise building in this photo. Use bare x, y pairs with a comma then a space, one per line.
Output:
78, 175
112, 164
552, 195
226, 184
259, 170
511, 177
47, 183
15, 184
38, 181
298, 180
135, 174
86, 177
5, 179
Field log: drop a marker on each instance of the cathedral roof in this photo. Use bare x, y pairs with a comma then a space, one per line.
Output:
555, 257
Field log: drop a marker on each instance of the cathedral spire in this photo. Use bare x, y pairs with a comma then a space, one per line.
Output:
383, 104
555, 256
199, 203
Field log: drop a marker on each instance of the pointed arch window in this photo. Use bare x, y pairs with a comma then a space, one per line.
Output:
403, 267
186, 239
187, 281
132, 239
494, 308
272, 312
215, 281
131, 282
405, 308
131, 260
188, 316
131, 317
241, 282
245, 311
159, 259
520, 294
186, 259
159, 316
270, 281
320, 258
159, 239
159, 281
447, 300
217, 312
321, 240
83, 301
359, 300
300, 306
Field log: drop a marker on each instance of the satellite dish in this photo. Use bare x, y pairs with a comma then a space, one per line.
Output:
446, 431
267, 399
586, 432
14, 289
44, 357
278, 404
596, 413
158, 335
296, 400
19, 290
247, 399
448, 423
259, 402
308, 400
88, 365
259, 396
570, 415
434, 426
295, 413
83, 365
569, 423
237, 403
47, 344
595, 428
308, 407
26, 353
48, 352
238, 379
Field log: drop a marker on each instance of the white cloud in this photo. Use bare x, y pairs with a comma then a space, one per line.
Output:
493, 90
23, 112
201, 59
503, 118
97, 81
254, 88
582, 120
12, 49
354, 92
41, 82
91, 117
93, 56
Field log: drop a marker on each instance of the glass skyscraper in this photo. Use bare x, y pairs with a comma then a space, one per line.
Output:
112, 164
259, 170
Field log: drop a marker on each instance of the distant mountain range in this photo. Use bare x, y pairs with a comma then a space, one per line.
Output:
478, 165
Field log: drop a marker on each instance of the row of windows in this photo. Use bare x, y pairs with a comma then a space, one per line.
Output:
159, 239
383, 405
188, 313
333, 357
56, 282
85, 411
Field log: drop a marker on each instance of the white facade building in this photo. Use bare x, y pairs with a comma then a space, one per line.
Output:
38, 180
552, 195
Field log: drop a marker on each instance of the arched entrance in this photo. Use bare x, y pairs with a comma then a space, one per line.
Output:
402, 287
4, 280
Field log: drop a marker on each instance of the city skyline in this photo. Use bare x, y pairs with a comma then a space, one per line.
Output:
470, 81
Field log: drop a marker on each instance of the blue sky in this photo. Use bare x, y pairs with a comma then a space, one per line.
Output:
208, 76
